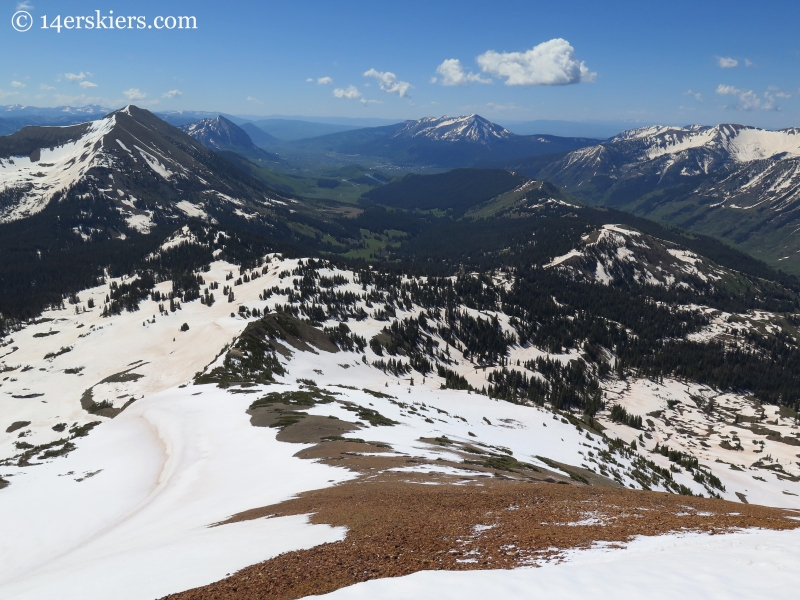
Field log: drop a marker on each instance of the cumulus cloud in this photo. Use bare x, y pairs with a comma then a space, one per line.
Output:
17, 84
252, 99
172, 94
452, 73
87, 84
24, 5
46, 88
748, 99
696, 95
4, 94
309, 80
73, 77
350, 92
726, 62
134, 94
748, 63
550, 63
325, 80
389, 82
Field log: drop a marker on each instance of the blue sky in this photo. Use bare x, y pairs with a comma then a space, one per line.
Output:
639, 62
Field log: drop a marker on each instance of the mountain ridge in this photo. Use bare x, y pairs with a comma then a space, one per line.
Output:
736, 182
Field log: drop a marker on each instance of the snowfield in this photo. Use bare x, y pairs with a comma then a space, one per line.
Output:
128, 512
56, 170
750, 564
138, 497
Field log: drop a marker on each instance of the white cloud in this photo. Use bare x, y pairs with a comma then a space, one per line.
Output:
24, 5
309, 80
748, 63
509, 106
46, 88
4, 94
256, 100
783, 95
87, 84
134, 94
726, 62
434, 79
172, 94
17, 84
81, 100
350, 92
453, 74
324, 81
748, 99
389, 82
696, 95
550, 63
76, 76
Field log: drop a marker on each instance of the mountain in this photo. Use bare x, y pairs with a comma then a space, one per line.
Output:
475, 373
221, 134
738, 183
624, 257
77, 200
592, 129
144, 168
258, 136
15, 117
457, 190
184, 117
441, 141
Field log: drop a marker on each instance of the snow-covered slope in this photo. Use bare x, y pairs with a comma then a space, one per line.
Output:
38, 177
739, 183
615, 254
90, 507
740, 143
147, 171
743, 565
472, 128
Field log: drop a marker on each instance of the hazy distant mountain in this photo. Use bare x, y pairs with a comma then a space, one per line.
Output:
289, 129
16, 116
735, 182
601, 130
258, 135
441, 141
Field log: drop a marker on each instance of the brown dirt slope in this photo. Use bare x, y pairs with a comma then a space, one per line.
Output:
397, 527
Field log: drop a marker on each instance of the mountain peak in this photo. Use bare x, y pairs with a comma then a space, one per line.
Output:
218, 133
465, 128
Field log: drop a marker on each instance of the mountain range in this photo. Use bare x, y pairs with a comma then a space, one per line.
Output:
441, 141
738, 183
468, 369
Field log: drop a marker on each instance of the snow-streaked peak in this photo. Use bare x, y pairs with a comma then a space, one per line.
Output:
39, 178
741, 143
471, 128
